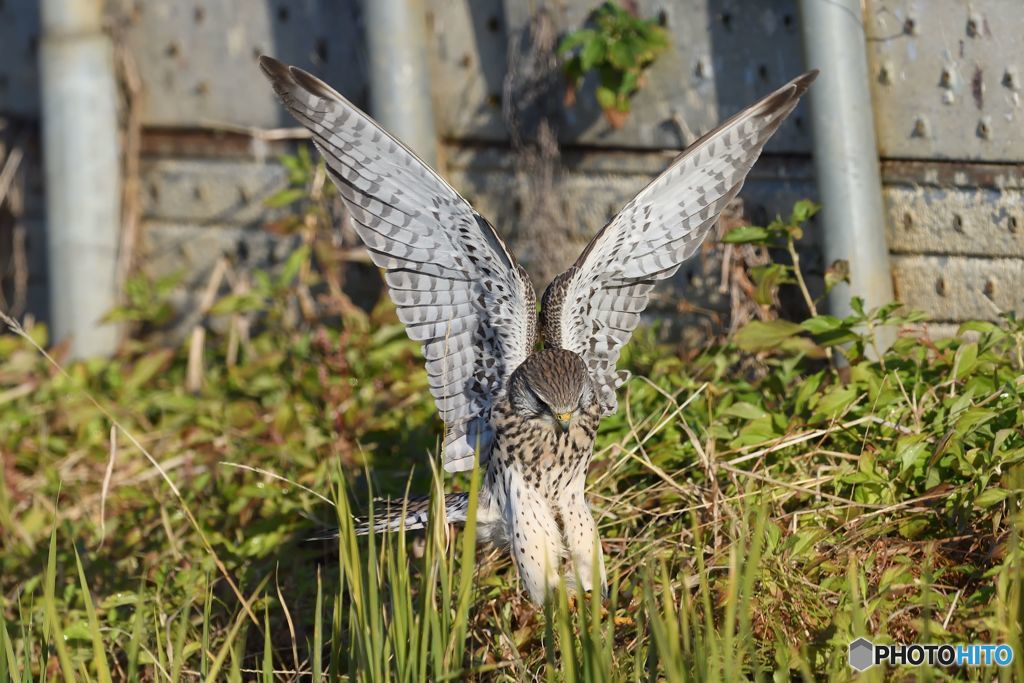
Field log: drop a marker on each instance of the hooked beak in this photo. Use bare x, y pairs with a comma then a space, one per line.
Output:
563, 419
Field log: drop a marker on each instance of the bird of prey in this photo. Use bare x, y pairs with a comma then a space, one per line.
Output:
524, 391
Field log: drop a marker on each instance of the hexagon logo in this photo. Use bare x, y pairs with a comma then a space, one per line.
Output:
862, 654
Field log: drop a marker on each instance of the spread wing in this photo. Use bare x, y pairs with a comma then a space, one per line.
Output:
593, 308
458, 289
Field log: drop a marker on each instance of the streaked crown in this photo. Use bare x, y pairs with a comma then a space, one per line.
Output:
551, 380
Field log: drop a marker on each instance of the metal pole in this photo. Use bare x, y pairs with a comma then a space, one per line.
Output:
845, 150
82, 172
399, 74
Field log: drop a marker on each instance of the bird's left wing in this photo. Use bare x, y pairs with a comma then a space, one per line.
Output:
593, 308
457, 287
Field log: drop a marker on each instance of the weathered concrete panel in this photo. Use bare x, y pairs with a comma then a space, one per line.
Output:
197, 60
209, 191
970, 222
192, 250
960, 288
947, 78
19, 43
594, 191
724, 55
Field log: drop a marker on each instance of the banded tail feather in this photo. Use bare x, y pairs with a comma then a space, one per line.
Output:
414, 513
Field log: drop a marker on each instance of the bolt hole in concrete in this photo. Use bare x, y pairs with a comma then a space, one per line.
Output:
494, 24
908, 221
726, 20
990, 289
910, 26
199, 15
1013, 223
1010, 79
958, 223
282, 14
974, 26
940, 287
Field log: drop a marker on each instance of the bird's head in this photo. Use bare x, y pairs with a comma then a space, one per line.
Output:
551, 385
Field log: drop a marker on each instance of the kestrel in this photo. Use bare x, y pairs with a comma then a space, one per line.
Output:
530, 412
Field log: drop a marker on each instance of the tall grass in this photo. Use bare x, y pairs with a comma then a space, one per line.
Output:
395, 617
760, 508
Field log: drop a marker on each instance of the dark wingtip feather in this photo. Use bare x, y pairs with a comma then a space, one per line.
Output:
287, 79
273, 69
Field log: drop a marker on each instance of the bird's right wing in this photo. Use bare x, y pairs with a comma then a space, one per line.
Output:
457, 286
593, 308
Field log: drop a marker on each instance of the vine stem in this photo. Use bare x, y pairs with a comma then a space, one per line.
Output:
791, 245
800, 276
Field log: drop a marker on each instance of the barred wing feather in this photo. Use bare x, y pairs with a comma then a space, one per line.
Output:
593, 308
457, 287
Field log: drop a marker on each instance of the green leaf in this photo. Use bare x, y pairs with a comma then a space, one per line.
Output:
747, 411
605, 97
838, 272
750, 234
292, 266
147, 367
981, 327
756, 432
966, 359
620, 56
803, 210
834, 402
768, 279
239, 303
285, 197
629, 83
591, 54
990, 497
820, 324
973, 418
765, 336
576, 39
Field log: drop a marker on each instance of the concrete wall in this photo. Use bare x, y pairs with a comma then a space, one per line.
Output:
946, 88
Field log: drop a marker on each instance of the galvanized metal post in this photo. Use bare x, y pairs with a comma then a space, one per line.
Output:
82, 171
845, 150
399, 73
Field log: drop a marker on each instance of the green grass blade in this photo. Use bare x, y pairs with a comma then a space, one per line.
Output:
230, 639
135, 641
268, 649
178, 651
51, 625
318, 631
204, 661
7, 661
467, 570
99, 657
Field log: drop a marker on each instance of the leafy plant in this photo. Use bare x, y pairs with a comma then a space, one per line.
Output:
619, 47
761, 507
146, 301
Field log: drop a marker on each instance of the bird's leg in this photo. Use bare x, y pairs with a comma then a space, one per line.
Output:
581, 539
536, 544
